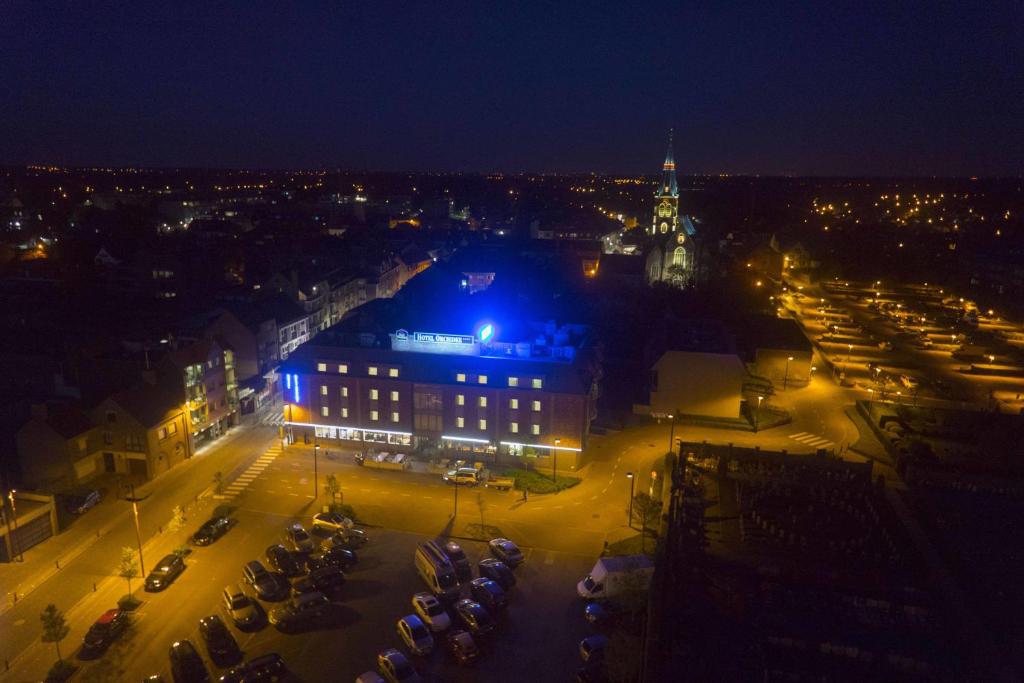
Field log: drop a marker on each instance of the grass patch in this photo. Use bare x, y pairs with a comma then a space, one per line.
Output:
344, 510
632, 546
61, 671
128, 602
534, 482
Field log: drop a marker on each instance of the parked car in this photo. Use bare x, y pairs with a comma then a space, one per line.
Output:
488, 593
474, 617
370, 677
415, 635
395, 667
498, 571
268, 667
431, 611
103, 632
283, 561
462, 646
337, 557
463, 476
220, 644
593, 647
300, 611
243, 610
323, 579
267, 586
211, 530
83, 502
165, 572
331, 521
458, 558
346, 538
186, 664
598, 613
298, 539
506, 551
593, 671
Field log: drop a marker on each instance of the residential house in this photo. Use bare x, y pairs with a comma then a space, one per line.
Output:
57, 448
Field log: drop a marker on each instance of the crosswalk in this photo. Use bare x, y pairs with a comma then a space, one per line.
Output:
812, 440
254, 470
274, 418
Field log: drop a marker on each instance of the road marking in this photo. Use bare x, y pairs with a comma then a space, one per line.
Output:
595, 497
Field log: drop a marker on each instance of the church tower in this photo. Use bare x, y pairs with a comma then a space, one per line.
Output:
666, 199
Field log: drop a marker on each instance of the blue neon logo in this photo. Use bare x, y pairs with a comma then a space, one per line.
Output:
486, 332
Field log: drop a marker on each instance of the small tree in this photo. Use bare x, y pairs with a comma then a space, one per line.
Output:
175, 526
332, 488
645, 511
55, 628
218, 482
128, 568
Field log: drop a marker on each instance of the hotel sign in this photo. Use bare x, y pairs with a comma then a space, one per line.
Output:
434, 342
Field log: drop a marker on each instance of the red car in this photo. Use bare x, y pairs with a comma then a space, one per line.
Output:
462, 646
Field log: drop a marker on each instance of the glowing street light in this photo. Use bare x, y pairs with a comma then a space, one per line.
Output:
629, 475
316, 477
757, 415
16, 549
785, 380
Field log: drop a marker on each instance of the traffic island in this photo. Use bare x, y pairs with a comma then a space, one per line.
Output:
61, 671
535, 482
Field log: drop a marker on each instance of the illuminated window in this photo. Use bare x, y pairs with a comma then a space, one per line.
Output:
482, 379
483, 423
321, 367
372, 371
344, 412
324, 411
513, 427
513, 381
537, 383
460, 377
460, 422
323, 389
392, 372
482, 401
344, 392
535, 429
394, 417
460, 399
394, 395
374, 415
374, 394
536, 406
513, 404
343, 368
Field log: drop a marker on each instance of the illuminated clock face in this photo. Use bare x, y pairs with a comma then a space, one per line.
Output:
664, 227
681, 238
664, 210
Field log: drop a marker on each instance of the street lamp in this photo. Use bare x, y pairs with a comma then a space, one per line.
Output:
629, 517
316, 478
757, 415
138, 533
871, 394
785, 380
14, 536
849, 350
672, 430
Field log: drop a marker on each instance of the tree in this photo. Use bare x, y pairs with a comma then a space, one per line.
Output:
218, 482
128, 568
55, 628
332, 488
176, 525
645, 511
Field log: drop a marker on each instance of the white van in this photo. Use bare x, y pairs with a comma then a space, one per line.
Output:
436, 570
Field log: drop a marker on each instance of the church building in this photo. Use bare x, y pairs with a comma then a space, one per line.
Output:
672, 249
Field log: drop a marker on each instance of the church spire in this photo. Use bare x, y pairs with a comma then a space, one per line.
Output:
669, 187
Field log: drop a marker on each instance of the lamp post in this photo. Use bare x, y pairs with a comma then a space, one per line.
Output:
554, 464
849, 350
455, 510
629, 475
15, 549
757, 415
671, 430
785, 380
316, 477
871, 394
138, 532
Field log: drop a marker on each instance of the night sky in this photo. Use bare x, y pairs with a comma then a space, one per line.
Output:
844, 88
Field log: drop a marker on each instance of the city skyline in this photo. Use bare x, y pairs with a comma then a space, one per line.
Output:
867, 91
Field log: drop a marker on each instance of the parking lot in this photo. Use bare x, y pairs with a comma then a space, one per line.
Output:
540, 628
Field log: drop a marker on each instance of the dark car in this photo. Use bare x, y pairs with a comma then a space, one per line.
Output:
211, 530
83, 502
103, 632
284, 561
267, 586
243, 610
459, 560
300, 611
488, 593
462, 646
593, 671
298, 539
592, 648
346, 538
324, 579
506, 551
166, 571
474, 617
268, 667
186, 664
498, 571
221, 645
336, 557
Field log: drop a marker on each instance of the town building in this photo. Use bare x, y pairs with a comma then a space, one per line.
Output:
58, 446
